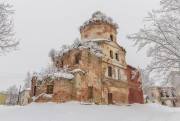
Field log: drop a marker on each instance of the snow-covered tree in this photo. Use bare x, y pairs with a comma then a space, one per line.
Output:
12, 98
7, 40
27, 81
171, 5
147, 82
161, 34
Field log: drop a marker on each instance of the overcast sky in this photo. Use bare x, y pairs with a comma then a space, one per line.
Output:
44, 24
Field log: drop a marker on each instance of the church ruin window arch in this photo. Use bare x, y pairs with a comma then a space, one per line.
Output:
111, 54
35, 90
117, 56
109, 71
77, 58
62, 63
111, 37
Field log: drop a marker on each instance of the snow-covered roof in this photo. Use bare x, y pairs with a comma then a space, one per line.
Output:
53, 72
99, 17
78, 44
61, 74
53, 75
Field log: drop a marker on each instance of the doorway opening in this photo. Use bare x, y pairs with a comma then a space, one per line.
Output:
110, 98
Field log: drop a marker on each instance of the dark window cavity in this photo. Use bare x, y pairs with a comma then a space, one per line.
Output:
111, 37
110, 71
111, 54
117, 57
77, 58
49, 89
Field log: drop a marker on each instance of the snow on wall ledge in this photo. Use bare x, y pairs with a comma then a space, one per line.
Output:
53, 73
99, 17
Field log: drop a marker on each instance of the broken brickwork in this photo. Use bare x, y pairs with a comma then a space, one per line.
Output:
97, 66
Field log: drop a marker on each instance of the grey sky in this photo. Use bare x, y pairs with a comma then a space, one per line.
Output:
45, 24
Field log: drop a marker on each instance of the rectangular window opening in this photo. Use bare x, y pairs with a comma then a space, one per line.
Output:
110, 71
35, 89
49, 89
117, 57
90, 92
111, 54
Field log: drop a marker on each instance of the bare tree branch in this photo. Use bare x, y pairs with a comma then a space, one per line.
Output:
7, 40
162, 37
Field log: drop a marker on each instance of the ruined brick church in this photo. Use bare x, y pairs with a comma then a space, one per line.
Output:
92, 69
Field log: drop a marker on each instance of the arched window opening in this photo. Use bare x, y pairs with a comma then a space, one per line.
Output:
166, 94
117, 57
77, 58
111, 54
111, 37
110, 71
62, 63
35, 90
57, 63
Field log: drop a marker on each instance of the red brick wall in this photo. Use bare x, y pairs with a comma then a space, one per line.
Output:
77, 89
62, 91
135, 96
135, 92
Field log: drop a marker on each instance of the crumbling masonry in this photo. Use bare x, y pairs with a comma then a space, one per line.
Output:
92, 69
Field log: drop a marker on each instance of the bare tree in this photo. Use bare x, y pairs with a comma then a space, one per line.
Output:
161, 34
12, 95
27, 80
7, 40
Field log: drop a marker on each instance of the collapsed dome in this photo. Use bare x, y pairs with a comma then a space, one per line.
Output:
99, 17
99, 27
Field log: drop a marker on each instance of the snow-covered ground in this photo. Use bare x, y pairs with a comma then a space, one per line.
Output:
76, 111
